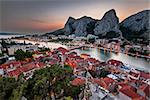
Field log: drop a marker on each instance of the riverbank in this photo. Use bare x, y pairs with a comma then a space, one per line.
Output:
109, 50
50, 45
98, 53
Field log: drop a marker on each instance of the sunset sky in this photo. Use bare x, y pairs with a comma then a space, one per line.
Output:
35, 16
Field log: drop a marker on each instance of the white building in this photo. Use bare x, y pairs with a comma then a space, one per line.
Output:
1, 72
0, 48
14, 48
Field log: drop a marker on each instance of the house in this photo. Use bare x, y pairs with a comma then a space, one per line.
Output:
52, 61
78, 81
129, 93
1, 48
14, 48
93, 61
71, 63
112, 76
62, 50
85, 56
76, 61
11, 65
37, 54
28, 69
144, 90
40, 65
133, 75
115, 63
145, 77
106, 82
79, 71
1, 72
125, 68
15, 73
122, 84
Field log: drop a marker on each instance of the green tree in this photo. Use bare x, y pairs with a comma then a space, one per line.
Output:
104, 73
6, 87
21, 55
54, 79
44, 49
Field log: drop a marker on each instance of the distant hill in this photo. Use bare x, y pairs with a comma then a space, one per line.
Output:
10, 33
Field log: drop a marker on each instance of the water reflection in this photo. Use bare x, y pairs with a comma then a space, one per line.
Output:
139, 63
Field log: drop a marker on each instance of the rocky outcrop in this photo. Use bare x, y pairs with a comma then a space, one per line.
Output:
79, 27
136, 26
109, 22
68, 26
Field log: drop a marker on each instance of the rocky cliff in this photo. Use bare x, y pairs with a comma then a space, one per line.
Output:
109, 22
79, 27
136, 26
69, 26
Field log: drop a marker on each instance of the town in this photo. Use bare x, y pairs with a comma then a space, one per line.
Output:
74, 50
100, 80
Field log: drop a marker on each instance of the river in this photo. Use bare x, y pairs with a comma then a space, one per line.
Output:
50, 45
139, 63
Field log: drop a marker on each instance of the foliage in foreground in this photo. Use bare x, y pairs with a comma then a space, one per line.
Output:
46, 82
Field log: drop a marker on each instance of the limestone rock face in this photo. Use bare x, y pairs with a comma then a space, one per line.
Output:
109, 22
68, 26
81, 26
136, 25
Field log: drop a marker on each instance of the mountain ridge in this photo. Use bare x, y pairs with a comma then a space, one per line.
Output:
107, 25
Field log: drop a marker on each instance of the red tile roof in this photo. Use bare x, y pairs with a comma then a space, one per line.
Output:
40, 65
70, 56
108, 80
146, 89
13, 73
104, 82
62, 50
114, 62
71, 63
92, 60
84, 54
28, 67
130, 93
101, 83
24, 68
145, 75
78, 81
122, 84
78, 57
13, 63
134, 74
52, 62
